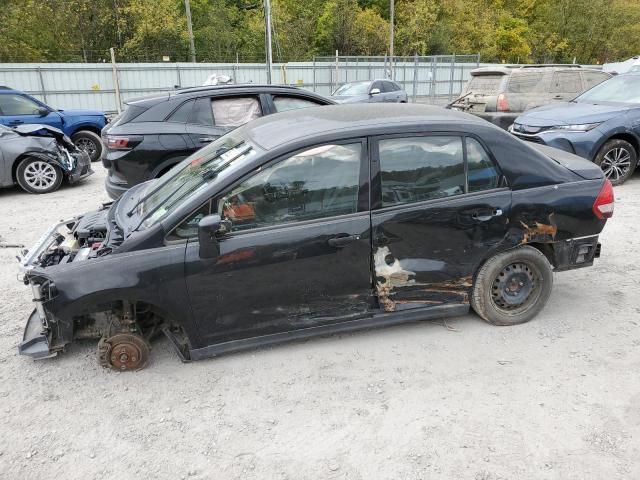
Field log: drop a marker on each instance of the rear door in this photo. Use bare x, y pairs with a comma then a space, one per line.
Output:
215, 116
440, 207
17, 109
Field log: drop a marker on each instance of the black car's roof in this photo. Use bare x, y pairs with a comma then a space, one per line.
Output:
222, 89
275, 130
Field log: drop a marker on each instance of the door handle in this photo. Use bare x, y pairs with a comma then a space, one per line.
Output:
206, 139
558, 97
484, 218
339, 242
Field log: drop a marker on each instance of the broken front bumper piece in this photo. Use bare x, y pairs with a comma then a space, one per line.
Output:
35, 341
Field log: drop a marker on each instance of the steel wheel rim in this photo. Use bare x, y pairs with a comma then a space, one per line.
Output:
87, 145
516, 288
40, 175
616, 163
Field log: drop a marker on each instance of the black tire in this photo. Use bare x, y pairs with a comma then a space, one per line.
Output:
89, 142
618, 160
512, 287
35, 175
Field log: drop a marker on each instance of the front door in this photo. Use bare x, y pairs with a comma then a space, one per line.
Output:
440, 208
16, 109
297, 253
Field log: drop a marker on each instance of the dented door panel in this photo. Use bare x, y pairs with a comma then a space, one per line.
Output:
282, 279
426, 254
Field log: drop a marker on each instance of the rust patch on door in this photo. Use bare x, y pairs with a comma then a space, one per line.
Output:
539, 232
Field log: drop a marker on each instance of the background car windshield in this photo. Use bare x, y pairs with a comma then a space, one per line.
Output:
359, 88
623, 89
192, 175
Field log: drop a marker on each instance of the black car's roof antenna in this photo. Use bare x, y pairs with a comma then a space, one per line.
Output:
218, 152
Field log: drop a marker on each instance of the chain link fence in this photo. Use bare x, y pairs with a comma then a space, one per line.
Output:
429, 79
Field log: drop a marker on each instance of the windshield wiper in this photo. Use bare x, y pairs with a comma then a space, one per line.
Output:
217, 153
206, 175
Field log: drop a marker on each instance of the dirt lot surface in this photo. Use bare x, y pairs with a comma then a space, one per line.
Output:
557, 398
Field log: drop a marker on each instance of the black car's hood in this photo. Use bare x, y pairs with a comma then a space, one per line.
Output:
571, 113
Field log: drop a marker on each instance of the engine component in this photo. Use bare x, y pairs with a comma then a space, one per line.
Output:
123, 352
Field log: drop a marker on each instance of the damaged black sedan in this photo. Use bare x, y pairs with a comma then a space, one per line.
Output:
318, 221
39, 157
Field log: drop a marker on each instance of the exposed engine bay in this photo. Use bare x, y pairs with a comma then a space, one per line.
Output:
72, 240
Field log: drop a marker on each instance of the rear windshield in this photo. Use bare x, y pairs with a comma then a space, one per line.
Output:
487, 84
524, 82
131, 112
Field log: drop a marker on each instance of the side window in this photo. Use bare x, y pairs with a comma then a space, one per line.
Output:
317, 183
421, 168
235, 111
17, 105
524, 82
396, 86
189, 228
387, 87
566, 82
284, 103
202, 114
183, 113
481, 173
591, 79
377, 85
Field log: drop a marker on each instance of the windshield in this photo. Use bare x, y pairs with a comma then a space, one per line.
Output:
191, 176
621, 89
357, 88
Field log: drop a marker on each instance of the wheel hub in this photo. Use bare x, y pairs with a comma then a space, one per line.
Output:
513, 286
124, 351
616, 163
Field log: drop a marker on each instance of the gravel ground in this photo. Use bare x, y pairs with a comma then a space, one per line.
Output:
557, 398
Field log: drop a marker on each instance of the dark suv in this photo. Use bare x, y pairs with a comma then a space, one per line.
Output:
155, 133
500, 94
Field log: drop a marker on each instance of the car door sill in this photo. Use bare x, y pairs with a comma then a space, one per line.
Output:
376, 320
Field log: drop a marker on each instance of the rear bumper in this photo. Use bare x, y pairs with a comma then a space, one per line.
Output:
575, 253
35, 340
114, 189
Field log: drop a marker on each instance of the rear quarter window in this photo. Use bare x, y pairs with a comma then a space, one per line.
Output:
488, 84
131, 112
525, 82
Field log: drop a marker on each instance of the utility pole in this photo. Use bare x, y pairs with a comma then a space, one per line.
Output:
192, 46
391, 28
267, 37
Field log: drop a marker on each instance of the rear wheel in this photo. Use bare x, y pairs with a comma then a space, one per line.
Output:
89, 142
618, 160
35, 175
512, 287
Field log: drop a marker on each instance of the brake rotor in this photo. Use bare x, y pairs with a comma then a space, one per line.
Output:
123, 352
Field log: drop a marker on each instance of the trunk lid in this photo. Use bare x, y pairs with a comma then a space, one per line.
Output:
578, 165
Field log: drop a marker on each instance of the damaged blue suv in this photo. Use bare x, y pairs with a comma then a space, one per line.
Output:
82, 126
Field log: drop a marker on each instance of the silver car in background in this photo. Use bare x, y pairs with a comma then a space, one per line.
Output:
370, 91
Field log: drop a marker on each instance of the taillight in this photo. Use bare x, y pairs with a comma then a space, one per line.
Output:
118, 143
502, 104
603, 206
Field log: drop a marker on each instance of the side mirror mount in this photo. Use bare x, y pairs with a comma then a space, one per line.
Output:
208, 227
374, 91
43, 112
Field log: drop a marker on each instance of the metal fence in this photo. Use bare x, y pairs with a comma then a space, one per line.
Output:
93, 85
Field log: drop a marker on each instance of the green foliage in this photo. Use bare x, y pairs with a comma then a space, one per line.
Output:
589, 31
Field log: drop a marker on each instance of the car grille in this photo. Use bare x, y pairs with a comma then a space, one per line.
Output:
530, 138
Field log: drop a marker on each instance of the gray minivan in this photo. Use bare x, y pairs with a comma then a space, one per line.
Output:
500, 94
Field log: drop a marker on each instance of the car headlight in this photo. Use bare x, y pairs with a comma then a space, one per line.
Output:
583, 127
